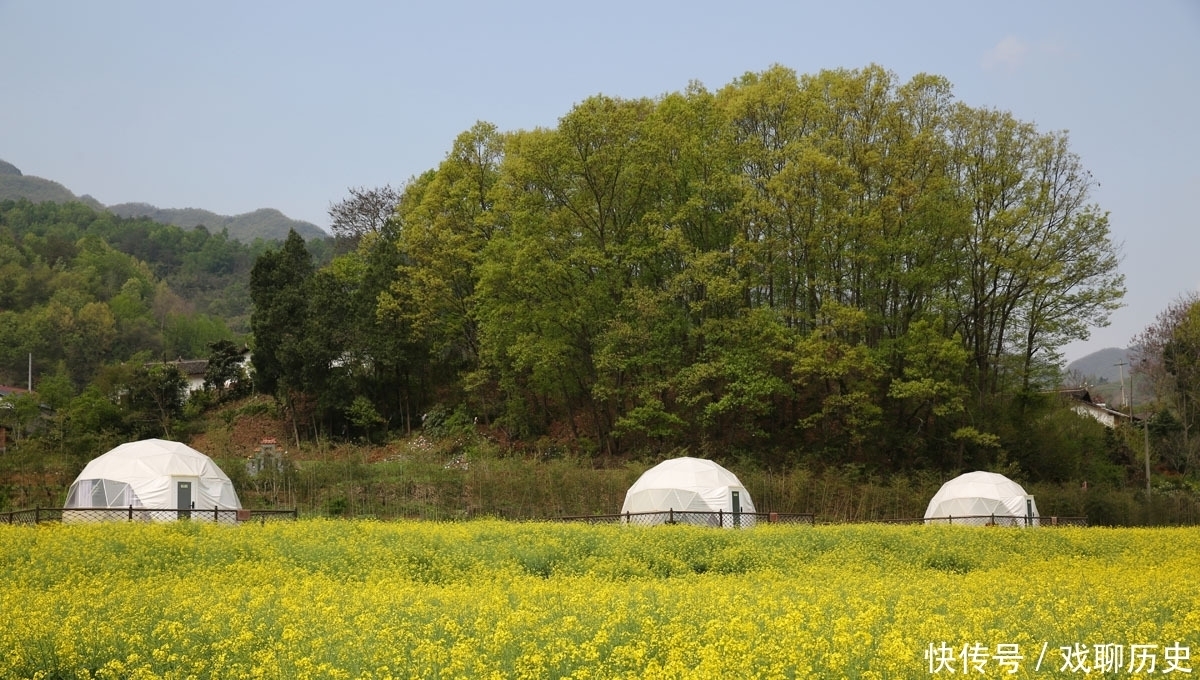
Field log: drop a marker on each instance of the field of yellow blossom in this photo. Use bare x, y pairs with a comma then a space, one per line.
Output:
492, 599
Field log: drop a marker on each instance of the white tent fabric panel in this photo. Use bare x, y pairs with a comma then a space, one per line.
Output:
977, 494
688, 485
102, 493
145, 474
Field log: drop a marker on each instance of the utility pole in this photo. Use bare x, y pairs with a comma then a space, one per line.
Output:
1145, 434
1121, 373
1145, 424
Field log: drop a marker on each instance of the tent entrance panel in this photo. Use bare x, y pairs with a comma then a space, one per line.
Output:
183, 497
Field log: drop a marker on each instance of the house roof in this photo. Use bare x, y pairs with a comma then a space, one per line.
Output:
1082, 395
189, 367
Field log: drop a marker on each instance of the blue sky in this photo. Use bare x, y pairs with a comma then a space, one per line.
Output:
233, 106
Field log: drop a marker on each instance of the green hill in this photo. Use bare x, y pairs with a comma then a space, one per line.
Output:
1103, 366
14, 185
266, 223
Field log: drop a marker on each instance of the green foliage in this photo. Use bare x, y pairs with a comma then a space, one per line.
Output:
839, 267
85, 287
154, 399
265, 223
225, 375
278, 286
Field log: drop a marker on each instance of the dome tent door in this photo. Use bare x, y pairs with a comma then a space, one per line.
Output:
183, 496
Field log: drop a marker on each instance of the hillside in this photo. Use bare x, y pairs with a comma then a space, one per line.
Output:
15, 185
1102, 366
265, 223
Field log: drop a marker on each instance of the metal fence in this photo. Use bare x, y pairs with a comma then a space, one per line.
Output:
720, 518
749, 519
995, 521
132, 514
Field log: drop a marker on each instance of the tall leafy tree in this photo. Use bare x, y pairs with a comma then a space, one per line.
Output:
1038, 267
153, 399
1167, 360
279, 287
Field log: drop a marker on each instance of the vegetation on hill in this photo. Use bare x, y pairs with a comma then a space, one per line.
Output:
15, 186
1109, 365
265, 224
91, 297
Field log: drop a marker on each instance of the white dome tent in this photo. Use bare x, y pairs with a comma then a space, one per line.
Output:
153, 474
984, 497
689, 485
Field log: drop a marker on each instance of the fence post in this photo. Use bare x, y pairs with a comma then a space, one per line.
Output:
216, 516
721, 517
131, 512
670, 515
37, 514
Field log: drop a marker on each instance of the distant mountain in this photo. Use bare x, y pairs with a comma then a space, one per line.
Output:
14, 185
1109, 382
1102, 366
266, 223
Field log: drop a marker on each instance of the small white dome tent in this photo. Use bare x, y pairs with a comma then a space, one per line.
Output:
981, 495
153, 474
690, 485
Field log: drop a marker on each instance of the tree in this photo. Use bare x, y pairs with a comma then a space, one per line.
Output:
154, 399
225, 374
447, 221
1038, 267
18, 411
1166, 355
279, 287
365, 211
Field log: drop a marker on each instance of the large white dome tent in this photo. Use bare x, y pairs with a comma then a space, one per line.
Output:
690, 485
984, 497
153, 474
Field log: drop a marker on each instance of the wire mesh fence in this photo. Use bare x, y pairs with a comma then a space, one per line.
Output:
720, 518
135, 514
994, 521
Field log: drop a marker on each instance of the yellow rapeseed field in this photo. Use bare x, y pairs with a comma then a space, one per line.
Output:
492, 599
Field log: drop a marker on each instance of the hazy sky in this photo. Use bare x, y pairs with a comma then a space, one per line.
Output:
233, 106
